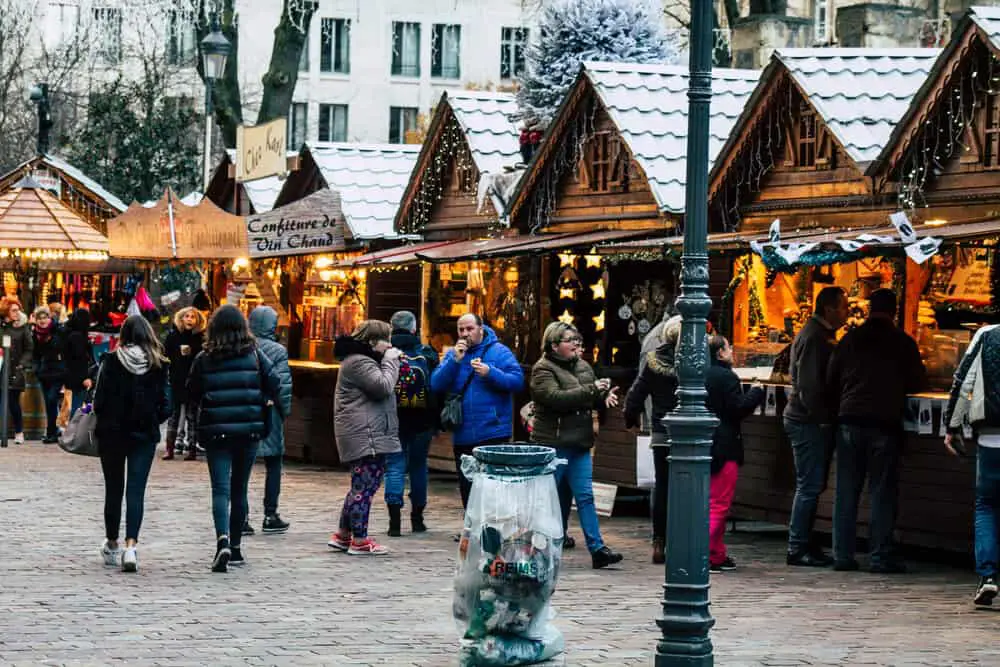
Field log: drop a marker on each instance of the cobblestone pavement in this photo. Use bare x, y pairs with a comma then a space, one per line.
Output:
298, 604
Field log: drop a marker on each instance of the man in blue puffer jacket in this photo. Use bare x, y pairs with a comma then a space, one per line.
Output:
490, 374
264, 326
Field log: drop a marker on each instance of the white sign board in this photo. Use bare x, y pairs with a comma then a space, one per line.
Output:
260, 150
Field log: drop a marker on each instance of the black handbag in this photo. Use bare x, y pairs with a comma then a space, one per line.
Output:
451, 413
267, 414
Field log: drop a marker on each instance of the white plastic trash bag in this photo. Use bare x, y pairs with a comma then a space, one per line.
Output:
509, 557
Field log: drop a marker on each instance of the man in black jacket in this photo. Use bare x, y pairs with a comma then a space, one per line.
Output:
808, 420
416, 426
872, 370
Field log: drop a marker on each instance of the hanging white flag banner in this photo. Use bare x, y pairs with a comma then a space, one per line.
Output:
924, 250
850, 246
794, 251
774, 233
902, 224
873, 238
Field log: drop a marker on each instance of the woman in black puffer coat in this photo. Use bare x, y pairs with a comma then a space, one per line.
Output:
232, 386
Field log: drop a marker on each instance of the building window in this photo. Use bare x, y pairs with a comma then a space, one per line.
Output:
107, 31
446, 49
401, 121
405, 49
513, 43
298, 119
806, 139
333, 122
991, 133
821, 18
335, 46
182, 38
63, 20
463, 172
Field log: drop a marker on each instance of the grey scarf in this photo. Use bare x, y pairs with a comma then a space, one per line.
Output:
134, 359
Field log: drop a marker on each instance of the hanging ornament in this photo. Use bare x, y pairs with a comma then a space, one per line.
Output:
598, 321
598, 290
566, 318
631, 328
593, 261
566, 259
567, 293
625, 312
644, 326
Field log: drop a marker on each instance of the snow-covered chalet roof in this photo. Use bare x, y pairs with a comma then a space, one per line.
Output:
370, 179
65, 167
485, 120
860, 94
649, 106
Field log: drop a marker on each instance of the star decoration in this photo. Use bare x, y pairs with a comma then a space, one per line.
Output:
598, 290
593, 261
566, 318
566, 293
598, 321
566, 259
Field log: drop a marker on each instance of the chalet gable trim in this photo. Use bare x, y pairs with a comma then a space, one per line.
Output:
443, 115
773, 82
968, 35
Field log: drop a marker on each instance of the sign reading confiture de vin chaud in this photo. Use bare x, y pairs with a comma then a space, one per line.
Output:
311, 225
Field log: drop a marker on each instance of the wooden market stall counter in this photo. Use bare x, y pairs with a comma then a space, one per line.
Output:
936, 490
309, 431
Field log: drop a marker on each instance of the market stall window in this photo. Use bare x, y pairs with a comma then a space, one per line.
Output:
991, 132
603, 165
770, 307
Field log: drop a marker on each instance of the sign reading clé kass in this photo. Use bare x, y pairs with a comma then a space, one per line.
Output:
260, 150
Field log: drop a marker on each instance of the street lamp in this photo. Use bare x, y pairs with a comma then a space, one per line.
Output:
39, 94
215, 50
686, 619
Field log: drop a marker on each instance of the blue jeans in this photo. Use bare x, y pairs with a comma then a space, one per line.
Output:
987, 511
117, 458
272, 487
229, 466
76, 401
863, 451
579, 472
411, 460
51, 393
812, 446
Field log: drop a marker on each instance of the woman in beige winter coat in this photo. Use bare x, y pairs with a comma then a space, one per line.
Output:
365, 426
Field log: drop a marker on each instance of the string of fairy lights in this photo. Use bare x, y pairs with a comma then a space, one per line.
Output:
756, 157
451, 153
951, 129
564, 159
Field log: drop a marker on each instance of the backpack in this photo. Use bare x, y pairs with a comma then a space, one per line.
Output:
412, 391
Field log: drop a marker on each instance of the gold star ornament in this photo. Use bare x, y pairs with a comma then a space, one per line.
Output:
566, 318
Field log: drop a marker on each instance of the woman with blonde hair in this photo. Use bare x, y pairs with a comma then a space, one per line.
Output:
183, 344
365, 425
565, 392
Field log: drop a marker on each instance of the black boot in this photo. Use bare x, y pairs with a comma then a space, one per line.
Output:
395, 512
417, 520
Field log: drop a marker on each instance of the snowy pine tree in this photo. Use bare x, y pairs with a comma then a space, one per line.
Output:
572, 31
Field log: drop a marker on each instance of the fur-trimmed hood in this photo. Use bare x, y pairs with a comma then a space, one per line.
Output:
199, 327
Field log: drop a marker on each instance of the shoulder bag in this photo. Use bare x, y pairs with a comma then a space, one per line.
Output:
79, 436
451, 413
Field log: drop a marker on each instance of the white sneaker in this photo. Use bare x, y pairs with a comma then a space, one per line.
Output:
18, 438
111, 556
130, 560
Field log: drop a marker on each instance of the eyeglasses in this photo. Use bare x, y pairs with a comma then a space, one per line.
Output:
576, 340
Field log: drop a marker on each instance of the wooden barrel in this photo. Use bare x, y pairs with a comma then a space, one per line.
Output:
33, 407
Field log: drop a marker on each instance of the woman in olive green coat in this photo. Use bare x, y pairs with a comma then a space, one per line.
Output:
565, 392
